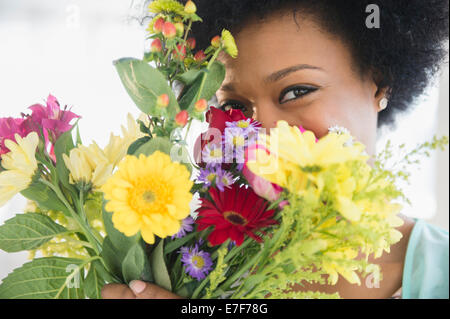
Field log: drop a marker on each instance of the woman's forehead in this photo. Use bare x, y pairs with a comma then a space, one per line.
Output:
276, 44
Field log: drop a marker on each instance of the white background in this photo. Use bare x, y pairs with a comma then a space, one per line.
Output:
66, 48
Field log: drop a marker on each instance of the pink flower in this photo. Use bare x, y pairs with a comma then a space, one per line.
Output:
260, 186
52, 119
8, 128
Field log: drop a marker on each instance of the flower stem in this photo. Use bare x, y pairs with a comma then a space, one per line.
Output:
210, 63
76, 217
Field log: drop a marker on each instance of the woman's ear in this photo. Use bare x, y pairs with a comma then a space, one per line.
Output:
382, 96
382, 91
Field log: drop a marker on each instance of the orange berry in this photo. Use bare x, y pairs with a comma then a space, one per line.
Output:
215, 42
201, 105
199, 56
181, 54
191, 43
169, 30
180, 28
162, 101
159, 24
182, 118
156, 45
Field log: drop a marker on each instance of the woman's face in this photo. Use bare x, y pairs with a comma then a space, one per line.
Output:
300, 74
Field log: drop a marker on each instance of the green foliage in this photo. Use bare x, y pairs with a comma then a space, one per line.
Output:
159, 268
45, 197
137, 144
218, 274
45, 278
63, 146
28, 231
161, 144
93, 282
145, 84
203, 86
133, 263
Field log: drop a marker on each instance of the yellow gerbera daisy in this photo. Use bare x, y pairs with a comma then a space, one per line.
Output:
20, 165
150, 194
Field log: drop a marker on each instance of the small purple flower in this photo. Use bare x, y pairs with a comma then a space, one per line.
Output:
216, 176
225, 179
246, 125
187, 225
208, 176
212, 154
235, 141
197, 262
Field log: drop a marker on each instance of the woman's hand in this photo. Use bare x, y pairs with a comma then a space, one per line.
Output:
136, 290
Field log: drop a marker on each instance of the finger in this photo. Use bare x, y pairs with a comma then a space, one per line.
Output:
117, 291
144, 290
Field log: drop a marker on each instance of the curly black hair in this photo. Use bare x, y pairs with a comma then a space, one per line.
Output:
404, 54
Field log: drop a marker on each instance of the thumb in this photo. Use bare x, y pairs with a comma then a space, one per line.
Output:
145, 290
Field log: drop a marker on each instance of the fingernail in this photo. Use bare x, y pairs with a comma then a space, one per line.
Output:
137, 286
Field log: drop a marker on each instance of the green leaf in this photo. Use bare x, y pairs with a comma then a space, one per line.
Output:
177, 243
28, 231
136, 144
212, 80
115, 246
63, 146
133, 264
93, 283
45, 278
119, 240
189, 77
112, 258
155, 144
144, 84
180, 154
159, 269
45, 197
78, 136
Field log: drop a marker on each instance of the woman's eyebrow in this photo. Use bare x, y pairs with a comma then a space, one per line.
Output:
278, 75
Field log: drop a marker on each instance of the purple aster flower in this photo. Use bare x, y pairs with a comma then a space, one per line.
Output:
224, 179
208, 175
248, 126
235, 141
197, 262
216, 176
187, 225
212, 154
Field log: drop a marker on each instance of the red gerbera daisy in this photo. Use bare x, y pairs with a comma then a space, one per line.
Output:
234, 212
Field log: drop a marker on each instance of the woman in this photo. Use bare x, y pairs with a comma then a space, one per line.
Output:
322, 63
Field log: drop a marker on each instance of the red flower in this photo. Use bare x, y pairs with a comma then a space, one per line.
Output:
235, 212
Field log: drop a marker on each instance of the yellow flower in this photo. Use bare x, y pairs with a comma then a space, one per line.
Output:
118, 146
22, 154
294, 155
88, 165
229, 44
20, 165
91, 164
150, 194
166, 6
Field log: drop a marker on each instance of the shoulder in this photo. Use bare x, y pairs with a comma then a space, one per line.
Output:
426, 265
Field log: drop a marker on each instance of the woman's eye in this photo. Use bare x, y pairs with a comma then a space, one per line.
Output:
293, 93
229, 105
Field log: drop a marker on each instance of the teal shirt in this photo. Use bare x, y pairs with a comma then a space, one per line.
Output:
425, 272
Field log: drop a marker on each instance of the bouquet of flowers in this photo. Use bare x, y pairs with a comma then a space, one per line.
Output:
273, 210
